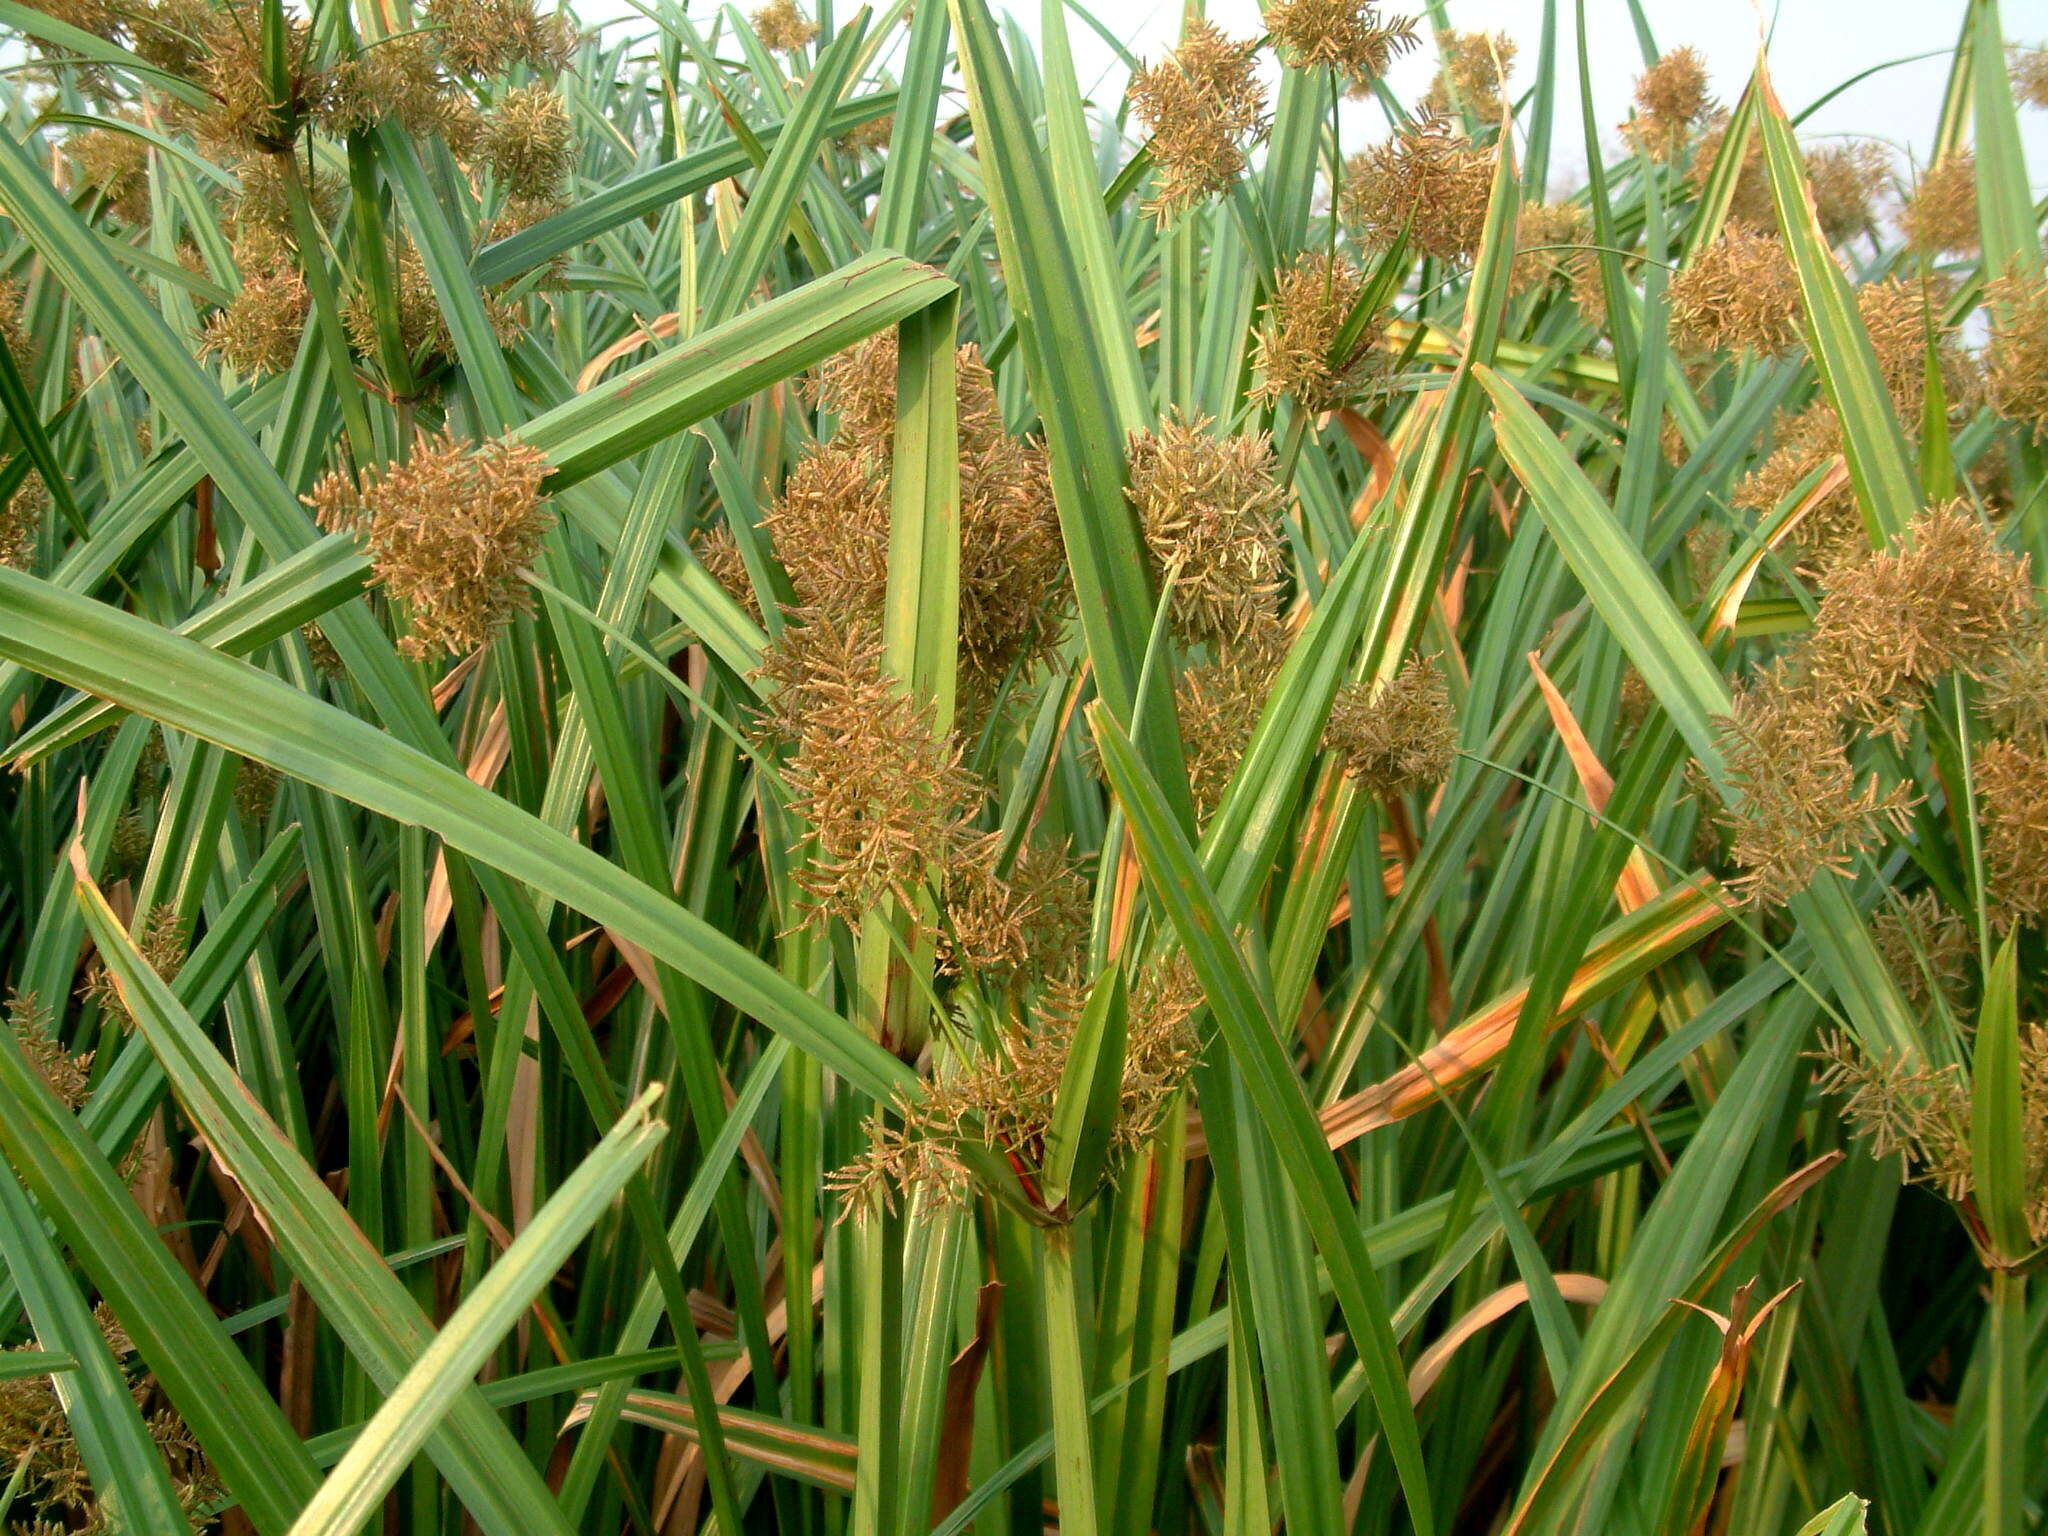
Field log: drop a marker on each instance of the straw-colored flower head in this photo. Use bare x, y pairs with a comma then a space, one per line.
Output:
2029, 75
1219, 703
1396, 735
422, 327
1750, 201
1552, 240
245, 113
2016, 383
14, 336
114, 163
1940, 218
1350, 36
1672, 104
782, 27
260, 329
884, 798
1740, 294
1006, 926
1832, 528
1209, 509
2012, 798
448, 532
1846, 180
1431, 181
1904, 316
163, 943
1929, 948
1801, 805
482, 38
1472, 76
1944, 599
1300, 349
1910, 1110
719, 553
171, 34
1012, 556
63, 1072
320, 650
1200, 103
526, 141
868, 138
830, 528
21, 522
401, 79
2014, 698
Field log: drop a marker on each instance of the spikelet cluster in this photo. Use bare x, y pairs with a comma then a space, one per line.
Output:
1296, 351
259, 330
1001, 1098
1930, 949
2012, 796
1219, 703
1429, 180
1395, 735
422, 327
1672, 104
1006, 926
783, 28
1750, 201
162, 942
482, 38
21, 522
64, 1073
114, 163
1944, 600
1472, 75
1554, 240
2029, 68
1846, 180
1350, 36
48, 1471
1209, 508
448, 532
526, 141
13, 328
884, 796
2016, 382
1940, 218
1739, 294
1200, 103
830, 526
1921, 1114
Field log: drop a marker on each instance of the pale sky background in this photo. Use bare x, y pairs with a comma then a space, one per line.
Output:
1816, 45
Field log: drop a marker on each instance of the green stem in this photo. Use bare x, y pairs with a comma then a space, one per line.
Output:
1067, 1381
2005, 1418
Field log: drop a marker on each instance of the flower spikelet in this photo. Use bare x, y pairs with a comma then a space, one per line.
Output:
480, 38
1909, 1110
525, 139
448, 532
885, 798
1672, 103
1005, 927
1395, 735
2012, 793
2016, 383
21, 522
1739, 294
1800, 805
1199, 103
1296, 346
116, 164
1429, 180
1209, 508
782, 27
1846, 180
259, 330
1219, 703
1928, 948
1472, 76
13, 329
64, 1073
1553, 240
830, 527
1750, 201
1348, 35
1944, 599
1940, 218
2029, 67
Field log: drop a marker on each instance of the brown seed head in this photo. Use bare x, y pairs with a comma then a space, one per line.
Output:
2016, 383
401, 79
1944, 599
526, 141
1296, 346
481, 38
1348, 35
1930, 949
1801, 806
2012, 798
1739, 294
1917, 1113
1750, 202
1552, 240
448, 533
116, 164
782, 27
2029, 68
1219, 703
1940, 218
1429, 180
260, 329
1395, 735
1472, 75
1199, 103
13, 329
1009, 927
1209, 508
21, 522
1672, 102
1832, 530
1846, 180
64, 1073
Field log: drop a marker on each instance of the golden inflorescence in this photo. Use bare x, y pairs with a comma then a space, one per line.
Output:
1201, 102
